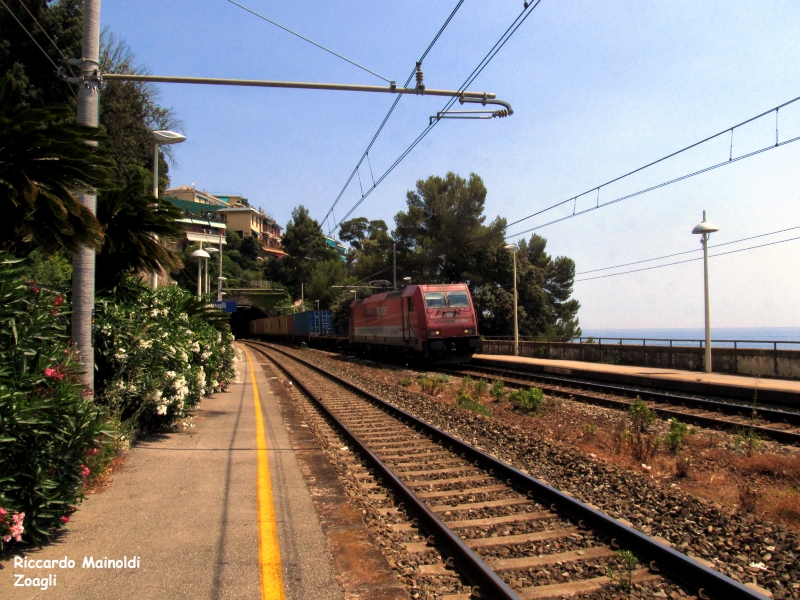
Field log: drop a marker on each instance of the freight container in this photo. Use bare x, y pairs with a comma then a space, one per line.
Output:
313, 322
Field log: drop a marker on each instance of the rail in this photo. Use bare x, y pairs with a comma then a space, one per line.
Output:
708, 582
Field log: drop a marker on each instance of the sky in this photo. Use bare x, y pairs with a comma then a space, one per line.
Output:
598, 88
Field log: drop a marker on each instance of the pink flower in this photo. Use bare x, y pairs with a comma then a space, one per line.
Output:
48, 372
3, 511
85, 470
58, 301
65, 519
7, 538
92, 451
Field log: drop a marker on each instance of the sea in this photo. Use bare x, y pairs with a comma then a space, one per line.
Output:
788, 338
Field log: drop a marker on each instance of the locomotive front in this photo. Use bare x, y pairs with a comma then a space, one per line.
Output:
451, 323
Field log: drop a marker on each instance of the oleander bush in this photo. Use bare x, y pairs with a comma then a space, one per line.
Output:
49, 425
158, 353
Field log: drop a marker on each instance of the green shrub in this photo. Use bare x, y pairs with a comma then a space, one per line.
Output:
674, 438
405, 382
50, 428
467, 382
530, 399
498, 389
432, 385
641, 416
465, 400
588, 429
480, 386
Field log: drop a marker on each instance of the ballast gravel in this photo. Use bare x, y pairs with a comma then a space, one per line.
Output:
735, 544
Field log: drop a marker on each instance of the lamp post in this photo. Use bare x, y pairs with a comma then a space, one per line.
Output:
317, 301
514, 249
705, 229
407, 280
208, 279
355, 294
200, 254
161, 138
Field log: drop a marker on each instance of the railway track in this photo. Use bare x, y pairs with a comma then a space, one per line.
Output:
779, 425
506, 533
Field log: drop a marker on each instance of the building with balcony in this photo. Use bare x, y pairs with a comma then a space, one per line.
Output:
337, 247
205, 215
247, 221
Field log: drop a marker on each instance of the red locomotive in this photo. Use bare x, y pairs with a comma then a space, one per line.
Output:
435, 322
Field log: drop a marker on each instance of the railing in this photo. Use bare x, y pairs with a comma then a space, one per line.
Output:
671, 342
775, 358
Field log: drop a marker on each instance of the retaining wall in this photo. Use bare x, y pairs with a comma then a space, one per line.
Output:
743, 361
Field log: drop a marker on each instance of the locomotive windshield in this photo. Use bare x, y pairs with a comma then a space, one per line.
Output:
458, 299
435, 300
442, 300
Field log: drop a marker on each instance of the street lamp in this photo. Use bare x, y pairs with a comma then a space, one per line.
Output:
407, 280
161, 138
200, 254
317, 301
355, 294
705, 229
513, 248
208, 281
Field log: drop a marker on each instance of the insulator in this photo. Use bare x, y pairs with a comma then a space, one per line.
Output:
419, 74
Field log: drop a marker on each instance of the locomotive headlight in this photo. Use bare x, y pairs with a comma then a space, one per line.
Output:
436, 332
468, 331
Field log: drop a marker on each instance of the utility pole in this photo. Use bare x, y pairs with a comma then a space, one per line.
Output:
83, 263
394, 266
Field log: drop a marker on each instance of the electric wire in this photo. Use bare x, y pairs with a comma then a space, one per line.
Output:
679, 262
30, 35
260, 16
63, 56
477, 71
386, 118
597, 189
639, 262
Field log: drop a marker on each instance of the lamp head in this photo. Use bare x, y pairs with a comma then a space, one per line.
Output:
512, 247
211, 250
164, 137
705, 227
200, 254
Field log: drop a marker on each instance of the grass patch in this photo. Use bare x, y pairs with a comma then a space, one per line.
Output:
466, 401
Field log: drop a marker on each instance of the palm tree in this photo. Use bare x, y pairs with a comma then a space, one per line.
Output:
130, 221
44, 162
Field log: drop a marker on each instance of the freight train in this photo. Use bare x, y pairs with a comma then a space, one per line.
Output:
434, 323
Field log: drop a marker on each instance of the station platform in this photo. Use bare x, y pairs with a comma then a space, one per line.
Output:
244, 504
770, 391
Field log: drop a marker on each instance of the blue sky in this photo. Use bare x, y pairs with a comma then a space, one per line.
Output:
598, 89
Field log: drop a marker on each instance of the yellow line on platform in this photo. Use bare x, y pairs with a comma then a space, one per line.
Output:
269, 551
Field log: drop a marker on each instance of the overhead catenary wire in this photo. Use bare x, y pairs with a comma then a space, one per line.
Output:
529, 8
598, 205
33, 39
639, 262
260, 16
679, 262
386, 118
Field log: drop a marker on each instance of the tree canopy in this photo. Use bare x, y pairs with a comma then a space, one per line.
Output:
44, 162
442, 237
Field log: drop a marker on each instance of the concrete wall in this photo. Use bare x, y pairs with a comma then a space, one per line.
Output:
760, 362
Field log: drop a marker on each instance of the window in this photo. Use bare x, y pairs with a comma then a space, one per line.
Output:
410, 305
435, 300
458, 299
